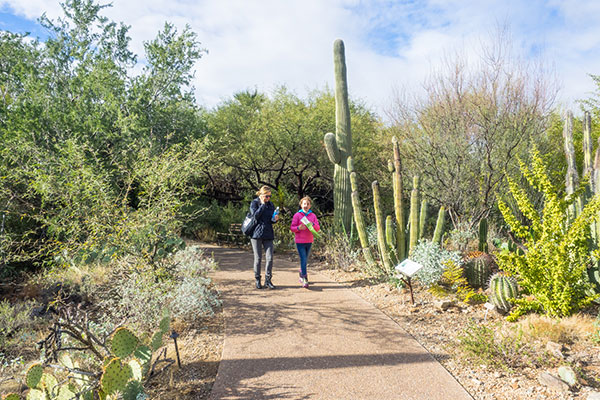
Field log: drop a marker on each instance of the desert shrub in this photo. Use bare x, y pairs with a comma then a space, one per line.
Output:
138, 295
18, 329
453, 282
553, 268
461, 238
494, 346
339, 252
434, 260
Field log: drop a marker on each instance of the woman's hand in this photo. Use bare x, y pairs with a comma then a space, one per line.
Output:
301, 227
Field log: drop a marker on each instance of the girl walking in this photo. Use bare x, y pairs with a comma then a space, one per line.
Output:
303, 236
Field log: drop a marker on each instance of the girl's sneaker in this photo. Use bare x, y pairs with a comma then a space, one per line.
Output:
305, 283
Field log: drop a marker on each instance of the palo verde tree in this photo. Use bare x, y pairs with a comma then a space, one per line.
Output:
89, 149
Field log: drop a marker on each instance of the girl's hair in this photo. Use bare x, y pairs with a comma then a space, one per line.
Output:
263, 190
305, 198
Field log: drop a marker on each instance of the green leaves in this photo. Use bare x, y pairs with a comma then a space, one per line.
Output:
552, 269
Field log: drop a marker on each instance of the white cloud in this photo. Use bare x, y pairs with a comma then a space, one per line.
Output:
265, 43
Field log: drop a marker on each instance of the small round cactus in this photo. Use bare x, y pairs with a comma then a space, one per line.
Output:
503, 288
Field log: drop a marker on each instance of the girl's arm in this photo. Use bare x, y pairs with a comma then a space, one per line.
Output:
316, 224
295, 223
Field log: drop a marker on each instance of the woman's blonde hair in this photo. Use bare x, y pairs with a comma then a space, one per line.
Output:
263, 190
305, 198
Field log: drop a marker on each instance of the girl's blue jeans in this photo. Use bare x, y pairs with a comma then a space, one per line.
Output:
303, 252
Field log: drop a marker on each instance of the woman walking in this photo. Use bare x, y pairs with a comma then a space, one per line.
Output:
262, 210
303, 236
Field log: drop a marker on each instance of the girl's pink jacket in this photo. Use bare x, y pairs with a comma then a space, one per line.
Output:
304, 236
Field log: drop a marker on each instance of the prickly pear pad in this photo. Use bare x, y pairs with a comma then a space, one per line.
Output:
34, 375
35, 394
123, 343
115, 376
164, 325
156, 342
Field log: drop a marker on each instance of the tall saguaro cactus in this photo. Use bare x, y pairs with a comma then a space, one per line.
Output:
339, 146
398, 205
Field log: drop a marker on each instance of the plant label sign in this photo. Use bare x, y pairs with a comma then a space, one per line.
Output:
408, 267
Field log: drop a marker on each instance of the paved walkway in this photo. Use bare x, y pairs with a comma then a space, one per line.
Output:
321, 343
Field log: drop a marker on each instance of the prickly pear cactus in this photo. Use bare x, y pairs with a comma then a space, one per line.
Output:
115, 376
164, 325
144, 354
478, 271
133, 390
123, 343
156, 342
36, 394
339, 147
503, 288
33, 376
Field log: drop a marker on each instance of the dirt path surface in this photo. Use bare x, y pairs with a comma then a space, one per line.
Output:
322, 343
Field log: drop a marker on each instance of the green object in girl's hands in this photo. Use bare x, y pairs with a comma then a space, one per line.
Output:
310, 227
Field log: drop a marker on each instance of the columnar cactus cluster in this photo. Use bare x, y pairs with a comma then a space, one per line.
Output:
591, 171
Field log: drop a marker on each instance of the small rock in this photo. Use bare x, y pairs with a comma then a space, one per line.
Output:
444, 304
593, 396
515, 385
476, 382
555, 349
552, 382
567, 375
489, 306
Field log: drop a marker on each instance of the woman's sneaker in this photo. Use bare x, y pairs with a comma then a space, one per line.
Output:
305, 283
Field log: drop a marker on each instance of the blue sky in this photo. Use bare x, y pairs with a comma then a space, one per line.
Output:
390, 45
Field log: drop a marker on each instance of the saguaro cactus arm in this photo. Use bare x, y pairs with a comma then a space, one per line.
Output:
332, 149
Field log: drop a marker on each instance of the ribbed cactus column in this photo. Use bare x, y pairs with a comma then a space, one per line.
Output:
339, 147
483, 232
398, 203
414, 214
358, 217
439, 226
572, 178
422, 218
588, 162
385, 257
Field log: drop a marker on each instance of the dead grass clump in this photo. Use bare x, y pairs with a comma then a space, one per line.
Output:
567, 330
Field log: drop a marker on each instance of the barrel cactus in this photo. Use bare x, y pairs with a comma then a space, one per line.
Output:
502, 288
478, 271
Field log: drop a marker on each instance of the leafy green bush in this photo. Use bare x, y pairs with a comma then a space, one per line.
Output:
434, 260
558, 252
